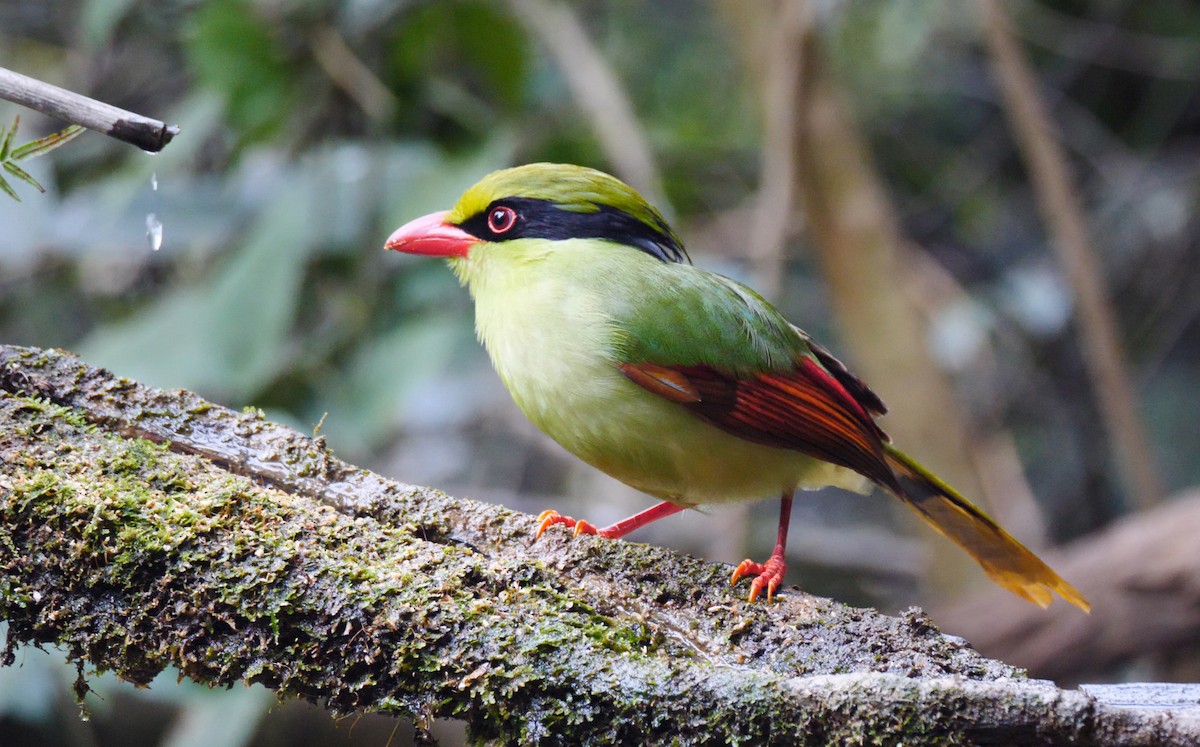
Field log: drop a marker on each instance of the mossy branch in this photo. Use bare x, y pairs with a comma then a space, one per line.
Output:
141, 529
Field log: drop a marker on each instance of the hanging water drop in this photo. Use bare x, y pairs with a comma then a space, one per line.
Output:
154, 231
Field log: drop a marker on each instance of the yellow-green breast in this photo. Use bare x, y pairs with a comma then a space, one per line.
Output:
554, 317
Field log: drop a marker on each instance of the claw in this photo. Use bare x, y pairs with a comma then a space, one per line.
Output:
585, 527
549, 518
767, 576
746, 568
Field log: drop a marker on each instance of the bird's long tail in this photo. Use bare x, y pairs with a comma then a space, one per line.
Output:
1005, 560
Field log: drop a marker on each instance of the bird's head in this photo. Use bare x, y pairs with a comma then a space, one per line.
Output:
541, 201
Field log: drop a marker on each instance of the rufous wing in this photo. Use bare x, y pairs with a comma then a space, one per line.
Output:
806, 409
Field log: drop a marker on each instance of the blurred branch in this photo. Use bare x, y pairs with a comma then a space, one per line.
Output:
1140, 575
1097, 43
786, 25
223, 556
338, 60
597, 91
148, 134
871, 276
1063, 213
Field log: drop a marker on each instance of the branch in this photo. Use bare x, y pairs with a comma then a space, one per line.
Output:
597, 92
142, 528
868, 264
1061, 210
349, 73
787, 26
147, 134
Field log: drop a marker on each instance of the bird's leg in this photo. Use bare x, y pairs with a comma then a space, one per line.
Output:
623, 527
769, 575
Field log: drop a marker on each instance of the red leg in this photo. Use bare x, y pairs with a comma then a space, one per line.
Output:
623, 527
769, 575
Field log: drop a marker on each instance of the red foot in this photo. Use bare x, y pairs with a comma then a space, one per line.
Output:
767, 575
550, 517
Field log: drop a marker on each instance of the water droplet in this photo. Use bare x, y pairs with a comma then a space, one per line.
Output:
154, 231
154, 181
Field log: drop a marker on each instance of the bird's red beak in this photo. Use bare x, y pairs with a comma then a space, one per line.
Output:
431, 235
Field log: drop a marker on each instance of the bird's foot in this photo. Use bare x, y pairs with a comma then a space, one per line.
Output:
767, 575
550, 517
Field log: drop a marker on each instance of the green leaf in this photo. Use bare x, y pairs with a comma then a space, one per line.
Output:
44, 145
232, 49
21, 174
368, 402
467, 60
238, 321
493, 44
8, 156
8, 190
8, 138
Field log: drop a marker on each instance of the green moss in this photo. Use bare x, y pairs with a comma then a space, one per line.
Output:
44, 407
135, 557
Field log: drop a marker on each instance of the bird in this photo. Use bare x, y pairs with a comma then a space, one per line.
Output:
682, 383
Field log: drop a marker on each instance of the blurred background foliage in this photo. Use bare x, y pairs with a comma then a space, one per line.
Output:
310, 129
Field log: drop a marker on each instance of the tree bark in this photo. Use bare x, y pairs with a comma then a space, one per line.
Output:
142, 528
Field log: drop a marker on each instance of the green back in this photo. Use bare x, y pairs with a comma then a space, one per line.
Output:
676, 314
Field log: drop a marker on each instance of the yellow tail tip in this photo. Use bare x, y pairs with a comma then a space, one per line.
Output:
1070, 594
1040, 591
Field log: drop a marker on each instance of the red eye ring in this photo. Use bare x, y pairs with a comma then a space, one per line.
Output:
501, 219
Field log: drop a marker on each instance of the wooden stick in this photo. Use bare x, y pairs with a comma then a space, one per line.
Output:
148, 134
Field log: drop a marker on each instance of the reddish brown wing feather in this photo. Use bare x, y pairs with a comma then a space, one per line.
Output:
807, 409
854, 385
663, 381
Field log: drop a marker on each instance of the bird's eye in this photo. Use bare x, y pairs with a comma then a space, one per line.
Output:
501, 219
